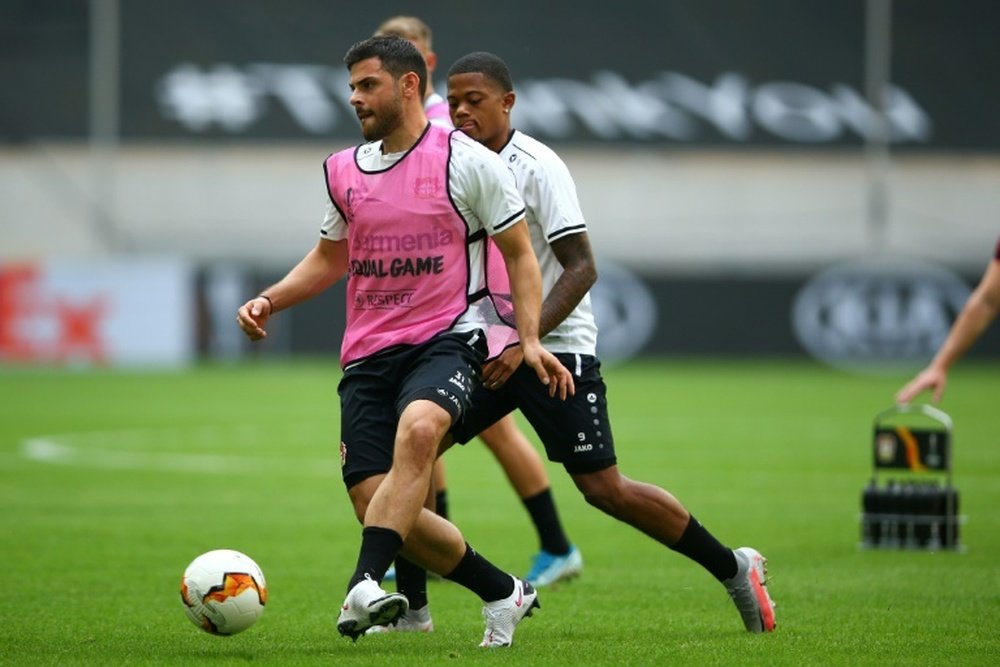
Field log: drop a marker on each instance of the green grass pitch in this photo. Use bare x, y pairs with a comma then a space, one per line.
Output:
110, 483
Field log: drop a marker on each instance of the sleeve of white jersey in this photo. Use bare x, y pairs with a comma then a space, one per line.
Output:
333, 228
558, 212
482, 182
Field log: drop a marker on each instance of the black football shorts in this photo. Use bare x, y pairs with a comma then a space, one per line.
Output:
374, 393
575, 432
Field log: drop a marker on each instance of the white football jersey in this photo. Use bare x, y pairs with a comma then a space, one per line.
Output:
552, 211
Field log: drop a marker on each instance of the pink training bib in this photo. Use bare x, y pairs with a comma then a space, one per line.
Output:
408, 275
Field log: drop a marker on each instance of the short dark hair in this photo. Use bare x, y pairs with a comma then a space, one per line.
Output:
398, 57
488, 64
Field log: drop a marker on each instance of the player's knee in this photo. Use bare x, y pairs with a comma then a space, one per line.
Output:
601, 490
600, 500
421, 436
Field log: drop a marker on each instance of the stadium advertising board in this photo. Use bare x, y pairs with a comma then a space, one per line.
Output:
623, 303
720, 73
110, 313
856, 316
625, 310
862, 314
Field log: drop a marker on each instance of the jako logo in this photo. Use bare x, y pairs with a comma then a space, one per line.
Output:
862, 314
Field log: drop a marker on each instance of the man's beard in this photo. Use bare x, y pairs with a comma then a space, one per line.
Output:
385, 121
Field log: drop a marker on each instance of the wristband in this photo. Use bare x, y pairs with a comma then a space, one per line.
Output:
270, 304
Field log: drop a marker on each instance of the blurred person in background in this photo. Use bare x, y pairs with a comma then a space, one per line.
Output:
419, 34
557, 559
980, 309
576, 432
417, 329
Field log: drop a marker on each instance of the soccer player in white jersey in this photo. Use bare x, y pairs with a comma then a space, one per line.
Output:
557, 559
577, 432
407, 218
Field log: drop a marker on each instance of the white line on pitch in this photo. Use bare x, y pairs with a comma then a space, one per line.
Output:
49, 449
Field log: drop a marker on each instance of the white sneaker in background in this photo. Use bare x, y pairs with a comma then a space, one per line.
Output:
414, 620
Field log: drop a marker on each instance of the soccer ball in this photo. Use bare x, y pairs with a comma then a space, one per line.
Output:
223, 591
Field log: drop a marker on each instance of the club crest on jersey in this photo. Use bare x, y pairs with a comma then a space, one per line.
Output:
427, 187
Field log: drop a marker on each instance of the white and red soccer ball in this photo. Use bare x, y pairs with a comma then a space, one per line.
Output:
224, 592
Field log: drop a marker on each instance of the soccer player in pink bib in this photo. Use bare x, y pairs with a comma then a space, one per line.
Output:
419, 219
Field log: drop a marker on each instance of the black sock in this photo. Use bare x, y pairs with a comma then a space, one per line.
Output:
441, 503
411, 581
378, 547
701, 546
542, 509
481, 577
